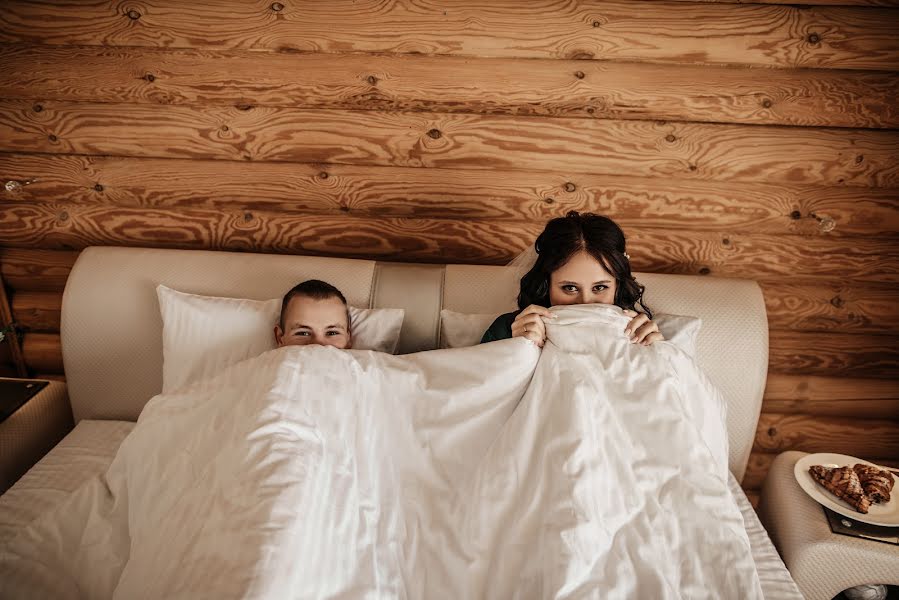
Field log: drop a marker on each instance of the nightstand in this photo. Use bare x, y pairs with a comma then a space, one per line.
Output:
823, 563
33, 428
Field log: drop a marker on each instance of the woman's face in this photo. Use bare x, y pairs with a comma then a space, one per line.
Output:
582, 280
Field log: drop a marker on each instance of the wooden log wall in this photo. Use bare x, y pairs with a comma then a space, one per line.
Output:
729, 139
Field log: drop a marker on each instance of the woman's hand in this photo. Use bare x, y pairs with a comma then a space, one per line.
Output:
529, 324
641, 330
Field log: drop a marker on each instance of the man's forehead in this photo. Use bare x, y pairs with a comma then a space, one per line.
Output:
301, 309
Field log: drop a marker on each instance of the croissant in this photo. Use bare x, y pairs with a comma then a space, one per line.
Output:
842, 482
876, 482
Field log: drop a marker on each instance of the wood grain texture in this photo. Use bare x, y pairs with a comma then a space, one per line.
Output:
881, 3
810, 387
760, 462
36, 269
765, 154
831, 396
450, 193
73, 226
662, 31
841, 305
555, 88
37, 311
855, 437
833, 354
43, 352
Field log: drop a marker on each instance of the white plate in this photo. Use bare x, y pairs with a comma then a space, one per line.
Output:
886, 515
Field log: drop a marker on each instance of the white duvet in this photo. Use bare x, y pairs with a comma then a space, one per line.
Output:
594, 468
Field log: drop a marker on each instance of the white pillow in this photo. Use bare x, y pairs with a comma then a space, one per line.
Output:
458, 330
201, 335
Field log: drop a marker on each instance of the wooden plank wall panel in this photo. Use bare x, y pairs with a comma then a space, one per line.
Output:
779, 36
423, 139
559, 88
739, 140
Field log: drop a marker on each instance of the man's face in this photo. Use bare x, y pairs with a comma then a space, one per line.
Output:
310, 321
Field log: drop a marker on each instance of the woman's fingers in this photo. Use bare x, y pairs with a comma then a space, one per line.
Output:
643, 332
653, 337
530, 325
635, 324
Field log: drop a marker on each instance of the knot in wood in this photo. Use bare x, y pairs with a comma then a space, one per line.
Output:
795, 215
277, 7
63, 216
323, 175
150, 77
225, 128
435, 133
670, 138
772, 431
243, 106
704, 271
597, 24
372, 80
766, 103
52, 138
37, 108
579, 74
549, 200
837, 302
590, 110
98, 187
859, 159
570, 187
247, 217
693, 167
726, 241
814, 38
344, 208
133, 15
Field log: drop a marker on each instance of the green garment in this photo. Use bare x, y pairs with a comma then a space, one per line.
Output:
501, 329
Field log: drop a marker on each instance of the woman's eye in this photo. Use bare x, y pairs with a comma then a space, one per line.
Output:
333, 333
569, 288
600, 288
301, 333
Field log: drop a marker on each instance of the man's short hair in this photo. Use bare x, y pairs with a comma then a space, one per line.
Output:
311, 288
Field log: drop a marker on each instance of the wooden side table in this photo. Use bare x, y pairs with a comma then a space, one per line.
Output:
33, 429
822, 562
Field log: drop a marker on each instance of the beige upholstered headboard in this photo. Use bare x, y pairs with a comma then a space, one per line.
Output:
112, 331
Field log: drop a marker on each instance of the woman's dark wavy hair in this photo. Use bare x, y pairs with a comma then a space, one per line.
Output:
600, 237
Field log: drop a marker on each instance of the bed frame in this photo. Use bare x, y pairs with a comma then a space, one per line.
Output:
112, 340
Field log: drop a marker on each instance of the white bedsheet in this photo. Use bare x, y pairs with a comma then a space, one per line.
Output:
318, 473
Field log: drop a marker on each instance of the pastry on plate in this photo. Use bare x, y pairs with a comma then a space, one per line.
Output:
842, 482
876, 482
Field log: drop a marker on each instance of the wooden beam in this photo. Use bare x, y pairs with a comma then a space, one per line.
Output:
855, 437
36, 269
553, 88
37, 311
43, 352
75, 226
840, 305
831, 396
726, 153
661, 31
663, 203
833, 354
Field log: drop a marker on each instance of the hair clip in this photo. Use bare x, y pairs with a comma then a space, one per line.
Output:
626, 255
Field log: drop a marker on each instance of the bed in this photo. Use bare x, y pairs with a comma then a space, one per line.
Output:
112, 348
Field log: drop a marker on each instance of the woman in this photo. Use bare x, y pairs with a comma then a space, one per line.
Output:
580, 259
